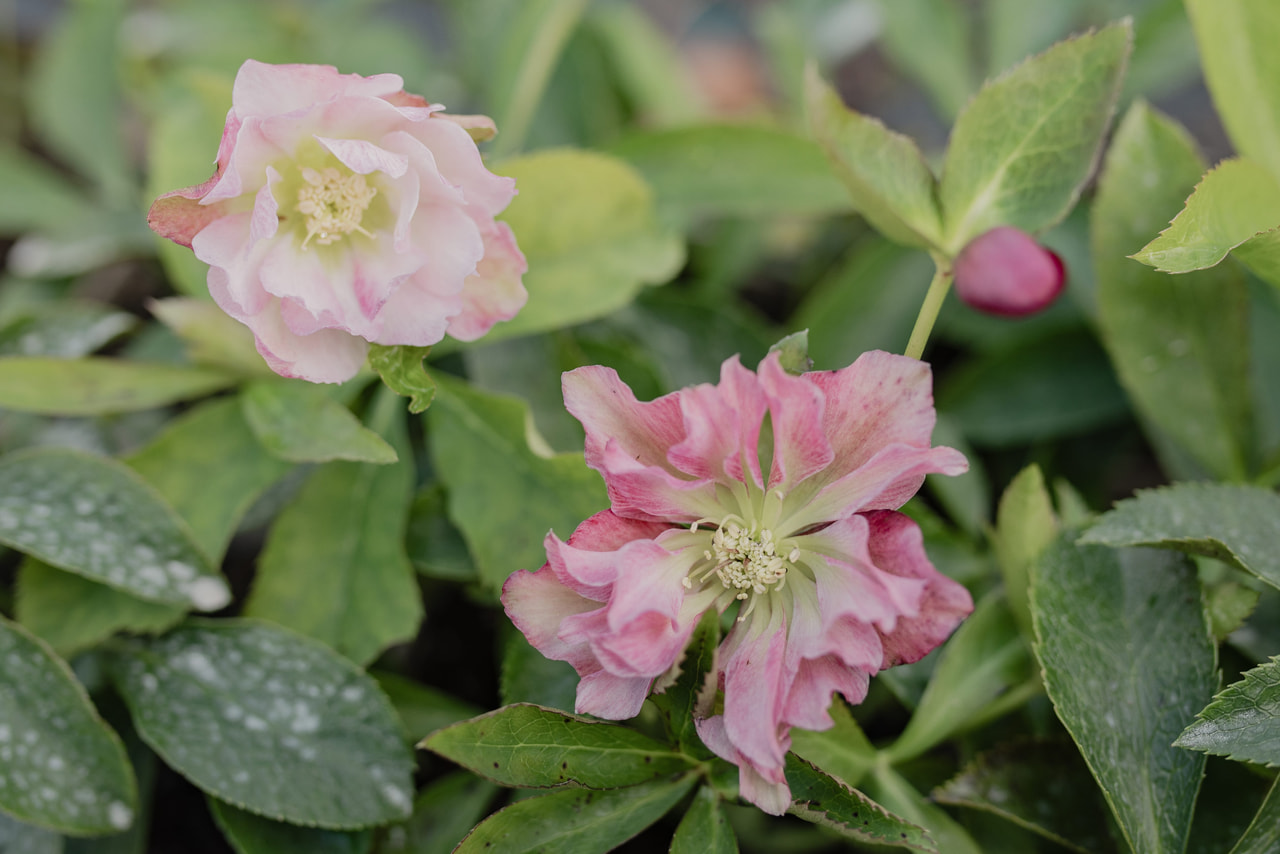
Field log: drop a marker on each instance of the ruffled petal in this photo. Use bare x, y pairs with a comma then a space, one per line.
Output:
756, 684
615, 698
459, 162
327, 356
722, 427
800, 444
765, 787
609, 411
809, 701
268, 90
496, 291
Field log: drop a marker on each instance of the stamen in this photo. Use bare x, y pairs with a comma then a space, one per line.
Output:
333, 204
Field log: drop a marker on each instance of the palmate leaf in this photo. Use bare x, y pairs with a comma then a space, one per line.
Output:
1242, 722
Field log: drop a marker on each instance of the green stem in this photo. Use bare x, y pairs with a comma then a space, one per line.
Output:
929, 310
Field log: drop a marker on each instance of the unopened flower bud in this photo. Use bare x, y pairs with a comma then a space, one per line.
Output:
1005, 271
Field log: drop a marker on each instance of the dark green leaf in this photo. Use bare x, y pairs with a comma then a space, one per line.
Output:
1128, 660
434, 545
692, 694
1229, 604
253, 834
704, 829
99, 386
577, 820
19, 838
842, 751
533, 747
898, 795
402, 370
1263, 835
95, 517
1241, 723
61, 766
422, 709
1237, 524
824, 800
530, 677
269, 721
443, 814
300, 422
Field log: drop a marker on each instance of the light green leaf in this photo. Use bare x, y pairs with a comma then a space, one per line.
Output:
577, 820
1233, 523
61, 766
99, 386
883, 171
36, 197
300, 422
586, 224
504, 496
334, 566
422, 709
533, 747
1180, 344
1026, 143
253, 834
66, 329
741, 170
213, 337
1025, 526
1128, 661
402, 370
1242, 70
1241, 723
443, 814
95, 517
704, 828
793, 352
1263, 835
842, 751
19, 838
984, 670
270, 722
824, 800
931, 41
1043, 786
892, 791
71, 613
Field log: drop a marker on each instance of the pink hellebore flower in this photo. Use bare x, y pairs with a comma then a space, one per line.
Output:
771, 493
344, 211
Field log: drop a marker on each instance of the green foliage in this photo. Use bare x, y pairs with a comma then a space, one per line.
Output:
842, 751
704, 828
402, 370
1263, 834
1127, 659
300, 423
253, 834
932, 41
99, 386
63, 767
443, 814
1241, 723
1025, 525
66, 330
827, 801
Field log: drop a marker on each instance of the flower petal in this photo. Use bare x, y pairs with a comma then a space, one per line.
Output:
326, 356
722, 427
765, 787
267, 90
756, 684
796, 406
495, 292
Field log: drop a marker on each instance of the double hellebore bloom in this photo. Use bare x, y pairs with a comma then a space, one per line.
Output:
344, 211
771, 495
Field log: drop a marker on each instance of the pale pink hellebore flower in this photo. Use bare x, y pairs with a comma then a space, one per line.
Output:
344, 211
770, 492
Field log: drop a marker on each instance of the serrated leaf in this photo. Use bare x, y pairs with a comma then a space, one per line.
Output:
1025, 525
1235, 39
824, 800
733, 170
269, 721
587, 227
99, 386
95, 517
300, 422
1026, 143
1263, 834
253, 834
533, 747
886, 175
1127, 660
578, 820
61, 766
842, 751
443, 814
1180, 344
502, 495
1234, 523
704, 828
1043, 786
1241, 723
334, 565
1235, 202
401, 368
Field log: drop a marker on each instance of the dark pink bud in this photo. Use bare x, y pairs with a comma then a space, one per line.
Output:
1005, 271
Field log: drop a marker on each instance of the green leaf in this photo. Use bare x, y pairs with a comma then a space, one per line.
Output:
66, 329
824, 800
99, 386
1180, 344
931, 41
443, 814
270, 722
533, 747
19, 838
973, 681
586, 225
334, 566
213, 337
577, 820
1235, 38
1043, 786
1229, 604
95, 517
1263, 835
434, 545
71, 613
1025, 144
401, 368
733, 170
253, 834
530, 677
704, 828
892, 791
692, 694
1241, 723
1025, 526
794, 352
1128, 660
842, 751
300, 422
883, 171
1233, 523
503, 495
1235, 203
36, 198
421, 708
61, 766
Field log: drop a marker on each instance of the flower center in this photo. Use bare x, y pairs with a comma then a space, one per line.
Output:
746, 561
333, 204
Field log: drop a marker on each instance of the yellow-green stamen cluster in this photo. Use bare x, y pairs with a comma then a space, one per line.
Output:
333, 204
745, 559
